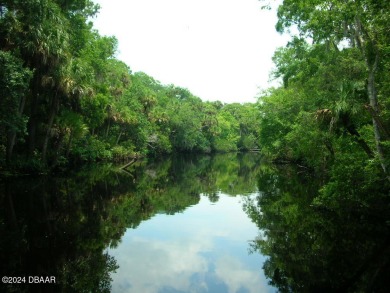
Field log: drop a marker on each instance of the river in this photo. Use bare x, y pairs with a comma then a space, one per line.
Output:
224, 223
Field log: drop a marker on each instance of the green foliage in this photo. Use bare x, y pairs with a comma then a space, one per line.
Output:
14, 80
308, 144
341, 73
278, 111
315, 241
91, 149
68, 99
330, 117
122, 153
324, 100
355, 182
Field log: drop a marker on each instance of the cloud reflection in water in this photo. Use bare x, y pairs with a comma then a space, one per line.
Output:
203, 249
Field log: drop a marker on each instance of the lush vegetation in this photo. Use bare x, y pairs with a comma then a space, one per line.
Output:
66, 98
331, 119
333, 108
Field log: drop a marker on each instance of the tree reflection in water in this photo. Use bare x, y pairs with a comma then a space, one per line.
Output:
319, 244
62, 226
315, 241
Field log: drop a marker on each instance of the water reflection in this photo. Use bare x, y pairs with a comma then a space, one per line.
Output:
177, 225
57, 227
341, 246
204, 249
62, 226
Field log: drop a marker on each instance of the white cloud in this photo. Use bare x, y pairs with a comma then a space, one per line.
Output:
218, 49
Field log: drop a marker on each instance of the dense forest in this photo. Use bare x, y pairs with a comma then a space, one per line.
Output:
331, 118
66, 99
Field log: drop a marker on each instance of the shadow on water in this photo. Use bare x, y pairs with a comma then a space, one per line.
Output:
320, 244
61, 226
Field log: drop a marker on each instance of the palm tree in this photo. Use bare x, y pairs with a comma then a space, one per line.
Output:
342, 114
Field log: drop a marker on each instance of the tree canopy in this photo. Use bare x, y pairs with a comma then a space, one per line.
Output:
68, 99
330, 118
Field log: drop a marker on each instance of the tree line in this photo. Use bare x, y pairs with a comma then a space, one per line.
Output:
332, 111
331, 118
65, 97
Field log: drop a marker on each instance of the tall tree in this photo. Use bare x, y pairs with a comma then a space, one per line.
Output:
361, 22
14, 80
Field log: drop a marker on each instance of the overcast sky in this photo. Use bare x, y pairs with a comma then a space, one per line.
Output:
218, 49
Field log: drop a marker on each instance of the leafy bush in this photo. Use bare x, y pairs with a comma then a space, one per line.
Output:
91, 149
121, 153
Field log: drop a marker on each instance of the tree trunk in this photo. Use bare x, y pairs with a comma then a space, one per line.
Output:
32, 122
11, 139
108, 127
373, 98
53, 112
119, 137
69, 144
129, 163
379, 122
371, 55
57, 149
355, 134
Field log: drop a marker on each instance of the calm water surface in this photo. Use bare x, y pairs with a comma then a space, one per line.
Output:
203, 249
175, 225
226, 223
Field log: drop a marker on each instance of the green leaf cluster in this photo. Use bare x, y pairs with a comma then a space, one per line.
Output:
335, 86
